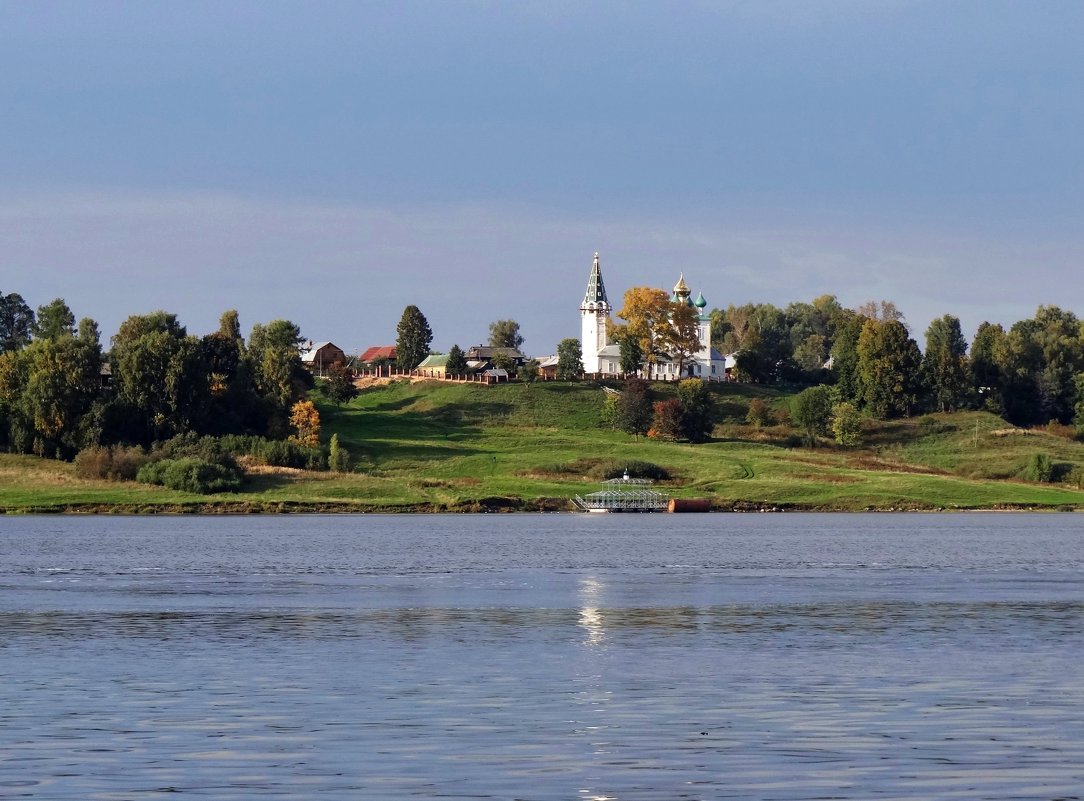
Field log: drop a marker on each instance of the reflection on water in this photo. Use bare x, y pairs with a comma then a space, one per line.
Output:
812, 625
532, 657
590, 616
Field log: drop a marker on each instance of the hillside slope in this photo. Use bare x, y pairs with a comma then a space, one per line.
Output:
438, 446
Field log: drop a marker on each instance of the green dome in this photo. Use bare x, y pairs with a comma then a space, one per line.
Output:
700, 303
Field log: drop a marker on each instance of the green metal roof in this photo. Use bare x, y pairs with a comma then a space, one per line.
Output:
596, 290
432, 361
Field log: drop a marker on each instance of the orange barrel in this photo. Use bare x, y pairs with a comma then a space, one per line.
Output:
689, 505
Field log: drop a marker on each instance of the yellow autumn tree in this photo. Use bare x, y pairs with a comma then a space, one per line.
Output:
647, 315
305, 420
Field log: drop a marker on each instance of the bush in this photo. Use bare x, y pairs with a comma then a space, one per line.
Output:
666, 423
1040, 468
153, 472
846, 424
93, 462
191, 475
1059, 430
287, 453
127, 461
118, 463
315, 459
280, 453
338, 456
811, 410
759, 415
603, 471
207, 448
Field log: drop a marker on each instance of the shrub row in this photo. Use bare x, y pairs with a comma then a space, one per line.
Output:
116, 463
191, 475
273, 452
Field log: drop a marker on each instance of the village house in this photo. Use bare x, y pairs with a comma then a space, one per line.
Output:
435, 365
377, 355
488, 356
318, 357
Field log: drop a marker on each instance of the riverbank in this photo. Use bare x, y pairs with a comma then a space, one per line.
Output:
446, 448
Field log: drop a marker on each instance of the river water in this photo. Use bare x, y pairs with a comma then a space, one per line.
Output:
543, 657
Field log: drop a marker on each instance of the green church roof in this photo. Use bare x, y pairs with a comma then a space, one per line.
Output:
596, 290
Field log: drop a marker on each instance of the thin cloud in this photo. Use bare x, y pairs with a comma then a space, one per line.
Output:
344, 272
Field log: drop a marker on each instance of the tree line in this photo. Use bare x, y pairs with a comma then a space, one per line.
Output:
61, 391
1030, 373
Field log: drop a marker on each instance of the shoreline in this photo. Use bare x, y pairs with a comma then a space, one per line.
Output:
484, 506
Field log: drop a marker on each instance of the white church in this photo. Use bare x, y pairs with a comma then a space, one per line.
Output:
601, 357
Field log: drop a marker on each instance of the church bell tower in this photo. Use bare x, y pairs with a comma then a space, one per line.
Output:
594, 315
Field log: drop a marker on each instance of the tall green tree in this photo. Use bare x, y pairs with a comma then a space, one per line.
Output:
945, 367
277, 373
988, 351
1058, 334
811, 412
812, 330
53, 320
338, 457
760, 337
505, 334
811, 353
340, 383
414, 338
160, 375
844, 355
229, 326
631, 355
634, 409
720, 329
88, 331
1020, 365
697, 410
16, 321
16, 433
888, 368
1078, 405
62, 379
457, 361
569, 359
1036, 363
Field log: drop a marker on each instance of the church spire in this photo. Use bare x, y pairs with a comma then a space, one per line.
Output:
596, 290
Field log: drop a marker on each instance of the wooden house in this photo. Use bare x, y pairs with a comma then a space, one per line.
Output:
319, 356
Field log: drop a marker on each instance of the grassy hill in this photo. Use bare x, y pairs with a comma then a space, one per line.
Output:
437, 446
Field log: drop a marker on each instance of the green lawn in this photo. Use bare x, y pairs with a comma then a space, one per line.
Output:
438, 446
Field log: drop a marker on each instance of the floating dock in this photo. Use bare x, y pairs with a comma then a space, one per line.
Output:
624, 495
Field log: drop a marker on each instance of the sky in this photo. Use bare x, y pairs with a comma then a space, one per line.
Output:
331, 163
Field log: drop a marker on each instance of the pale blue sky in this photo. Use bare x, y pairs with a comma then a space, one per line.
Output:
333, 162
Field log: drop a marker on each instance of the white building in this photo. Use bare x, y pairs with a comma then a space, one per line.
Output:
600, 356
